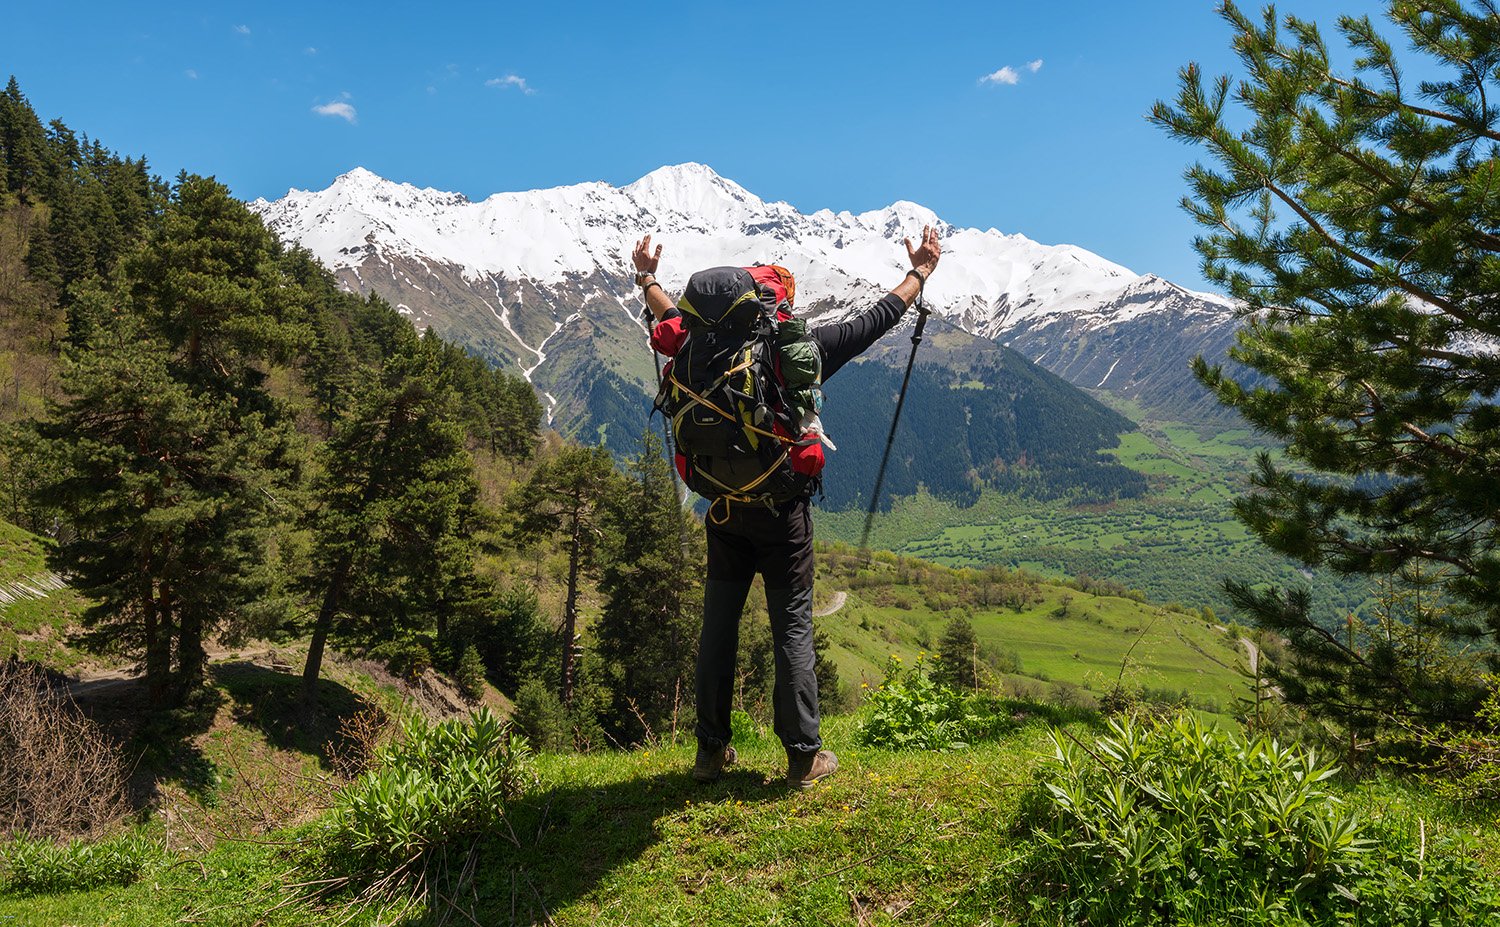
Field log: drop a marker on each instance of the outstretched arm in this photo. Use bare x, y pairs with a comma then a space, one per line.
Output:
845, 341
645, 277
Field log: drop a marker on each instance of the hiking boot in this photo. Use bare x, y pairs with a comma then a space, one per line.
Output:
805, 769
711, 762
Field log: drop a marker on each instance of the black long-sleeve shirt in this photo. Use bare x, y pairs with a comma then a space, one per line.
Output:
839, 343
844, 341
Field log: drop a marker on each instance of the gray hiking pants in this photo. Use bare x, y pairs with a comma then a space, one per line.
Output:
778, 545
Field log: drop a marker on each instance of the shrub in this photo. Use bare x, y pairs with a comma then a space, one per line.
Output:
541, 718
59, 773
910, 710
1165, 822
470, 674
407, 658
1464, 760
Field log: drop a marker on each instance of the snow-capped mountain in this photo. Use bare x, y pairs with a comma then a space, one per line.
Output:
528, 278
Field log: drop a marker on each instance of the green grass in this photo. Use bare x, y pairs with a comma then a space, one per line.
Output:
1083, 642
34, 623
629, 838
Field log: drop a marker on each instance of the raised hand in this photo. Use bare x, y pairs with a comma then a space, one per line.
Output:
645, 261
924, 258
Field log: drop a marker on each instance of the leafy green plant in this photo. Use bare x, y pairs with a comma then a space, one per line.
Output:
1159, 820
1172, 822
912, 711
418, 817
31, 865
441, 786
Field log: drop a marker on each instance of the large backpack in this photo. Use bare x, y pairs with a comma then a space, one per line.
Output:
737, 388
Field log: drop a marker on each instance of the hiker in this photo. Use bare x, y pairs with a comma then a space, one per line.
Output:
774, 540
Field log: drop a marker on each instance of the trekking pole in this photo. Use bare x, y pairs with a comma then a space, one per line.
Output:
666, 434
916, 339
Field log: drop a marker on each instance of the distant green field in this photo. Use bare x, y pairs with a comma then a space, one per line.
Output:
1178, 544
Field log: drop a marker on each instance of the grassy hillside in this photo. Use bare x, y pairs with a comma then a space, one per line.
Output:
36, 608
1063, 638
628, 838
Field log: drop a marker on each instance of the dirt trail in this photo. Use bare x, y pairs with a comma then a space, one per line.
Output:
833, 606
98, 682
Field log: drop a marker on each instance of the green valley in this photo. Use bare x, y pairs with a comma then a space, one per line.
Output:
1175, 543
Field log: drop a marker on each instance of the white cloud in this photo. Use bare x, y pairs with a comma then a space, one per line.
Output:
340, 108
242, 30
510, 80
1010, 75
1006, 75
192, 75
310, 51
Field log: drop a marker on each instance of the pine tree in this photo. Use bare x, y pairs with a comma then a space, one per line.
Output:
168, 496
565, 496
958, 655
516, 641
23, 142
396, 505
213, 286
1354, 217
651, 577
172, 480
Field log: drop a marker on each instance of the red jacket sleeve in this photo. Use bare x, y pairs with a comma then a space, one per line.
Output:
669, 334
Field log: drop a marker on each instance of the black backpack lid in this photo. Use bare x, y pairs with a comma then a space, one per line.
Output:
719, 295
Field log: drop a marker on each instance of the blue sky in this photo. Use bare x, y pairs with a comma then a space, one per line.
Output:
1022, 116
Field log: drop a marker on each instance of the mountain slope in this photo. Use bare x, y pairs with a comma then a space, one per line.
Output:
540, 283
530, 279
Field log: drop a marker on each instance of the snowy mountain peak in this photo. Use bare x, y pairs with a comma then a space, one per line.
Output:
990, 283
693, 189
527, 275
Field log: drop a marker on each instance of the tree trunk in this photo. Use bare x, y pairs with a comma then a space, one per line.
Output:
307, 708
191, 657
158, 648
570, 615
161, 658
